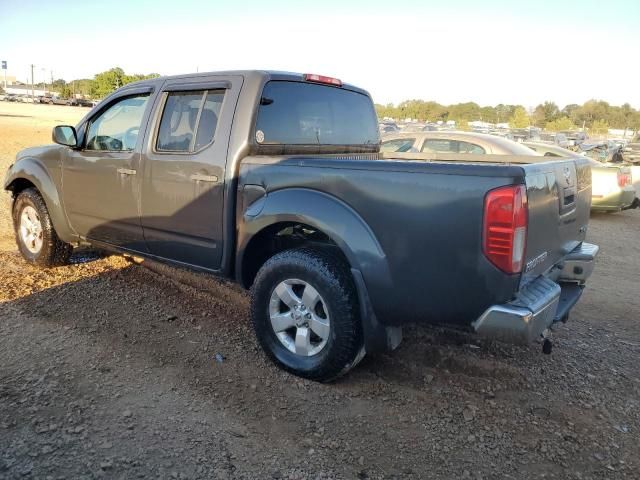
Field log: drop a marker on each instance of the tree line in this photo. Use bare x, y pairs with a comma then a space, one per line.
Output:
596, 115
99, 86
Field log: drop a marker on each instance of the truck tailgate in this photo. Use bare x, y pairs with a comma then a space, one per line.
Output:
559, 201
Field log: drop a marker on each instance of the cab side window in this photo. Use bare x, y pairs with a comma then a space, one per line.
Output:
438, 145
189, 120
116, 129
444, 145
398, 145
472, 148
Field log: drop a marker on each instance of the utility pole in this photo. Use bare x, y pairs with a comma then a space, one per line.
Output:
4, 67
32, 91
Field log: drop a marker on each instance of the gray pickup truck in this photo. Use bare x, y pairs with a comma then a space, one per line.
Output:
276, 181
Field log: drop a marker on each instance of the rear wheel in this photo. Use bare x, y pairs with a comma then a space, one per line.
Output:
304, 310
36, 238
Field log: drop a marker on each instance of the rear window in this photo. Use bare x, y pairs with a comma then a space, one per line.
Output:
295, 113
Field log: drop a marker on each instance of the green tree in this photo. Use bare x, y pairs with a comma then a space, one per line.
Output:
560, 124
519, 119
545, 113
65, 91
106, 82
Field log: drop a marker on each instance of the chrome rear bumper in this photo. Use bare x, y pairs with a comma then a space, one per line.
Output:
535, 306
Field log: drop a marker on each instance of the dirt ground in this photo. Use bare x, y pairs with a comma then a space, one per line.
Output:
112, 370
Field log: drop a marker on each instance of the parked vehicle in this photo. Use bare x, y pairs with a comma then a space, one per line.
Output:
631, 153
559, 139
420, 127
83, 102
525, 134
612, 188
387, 129
59, 101
451, 142
275, 180
575, 138
604, 151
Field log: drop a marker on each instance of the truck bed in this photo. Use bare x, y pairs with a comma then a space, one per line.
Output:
427, 218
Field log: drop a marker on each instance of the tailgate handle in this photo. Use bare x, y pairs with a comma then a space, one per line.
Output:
126, 171
568, 199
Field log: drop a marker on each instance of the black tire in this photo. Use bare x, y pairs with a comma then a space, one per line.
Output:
54, 252
331, 277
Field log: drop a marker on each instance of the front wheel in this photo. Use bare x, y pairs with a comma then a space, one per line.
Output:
304, 310
36, 238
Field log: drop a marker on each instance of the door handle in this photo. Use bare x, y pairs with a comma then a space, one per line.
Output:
126, 171
198, 177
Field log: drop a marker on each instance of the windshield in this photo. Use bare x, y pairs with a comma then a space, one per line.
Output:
297, 113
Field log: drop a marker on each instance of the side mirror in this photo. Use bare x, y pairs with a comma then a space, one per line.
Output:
65, 135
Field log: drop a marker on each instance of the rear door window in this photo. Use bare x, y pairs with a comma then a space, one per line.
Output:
472, 148
297, 113
398, 145
438, 145
189, 120
445, 145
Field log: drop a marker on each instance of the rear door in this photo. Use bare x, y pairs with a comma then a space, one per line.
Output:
559, 201
184, 163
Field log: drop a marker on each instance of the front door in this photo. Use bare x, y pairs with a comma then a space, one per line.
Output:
100, 181
184, 165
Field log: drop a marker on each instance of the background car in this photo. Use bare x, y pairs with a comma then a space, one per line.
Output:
575, 138
612, 186
605, 151
559, 139
452, 142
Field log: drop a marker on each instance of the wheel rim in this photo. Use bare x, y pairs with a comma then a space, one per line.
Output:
299, 317
31, 229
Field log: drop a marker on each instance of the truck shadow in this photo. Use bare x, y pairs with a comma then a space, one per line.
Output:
183, 322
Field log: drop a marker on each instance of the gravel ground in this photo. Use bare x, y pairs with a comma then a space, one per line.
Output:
109, 369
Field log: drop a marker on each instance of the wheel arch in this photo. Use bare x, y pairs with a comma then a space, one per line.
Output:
30, 173
336, 222
340, 228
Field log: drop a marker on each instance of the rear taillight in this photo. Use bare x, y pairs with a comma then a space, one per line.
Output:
312, 77
505, 227
624, 179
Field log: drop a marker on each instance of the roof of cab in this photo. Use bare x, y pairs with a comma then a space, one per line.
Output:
264, 74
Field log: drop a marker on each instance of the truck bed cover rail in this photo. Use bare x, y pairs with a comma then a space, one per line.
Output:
467, 157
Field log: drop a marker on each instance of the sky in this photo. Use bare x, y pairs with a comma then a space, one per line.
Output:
488, 51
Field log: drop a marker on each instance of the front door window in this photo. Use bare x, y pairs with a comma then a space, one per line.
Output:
117, 128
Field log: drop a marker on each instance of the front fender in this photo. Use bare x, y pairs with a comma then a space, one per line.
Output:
32, 170
345, 228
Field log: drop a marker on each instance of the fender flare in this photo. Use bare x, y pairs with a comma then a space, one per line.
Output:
32, 170
347, 229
